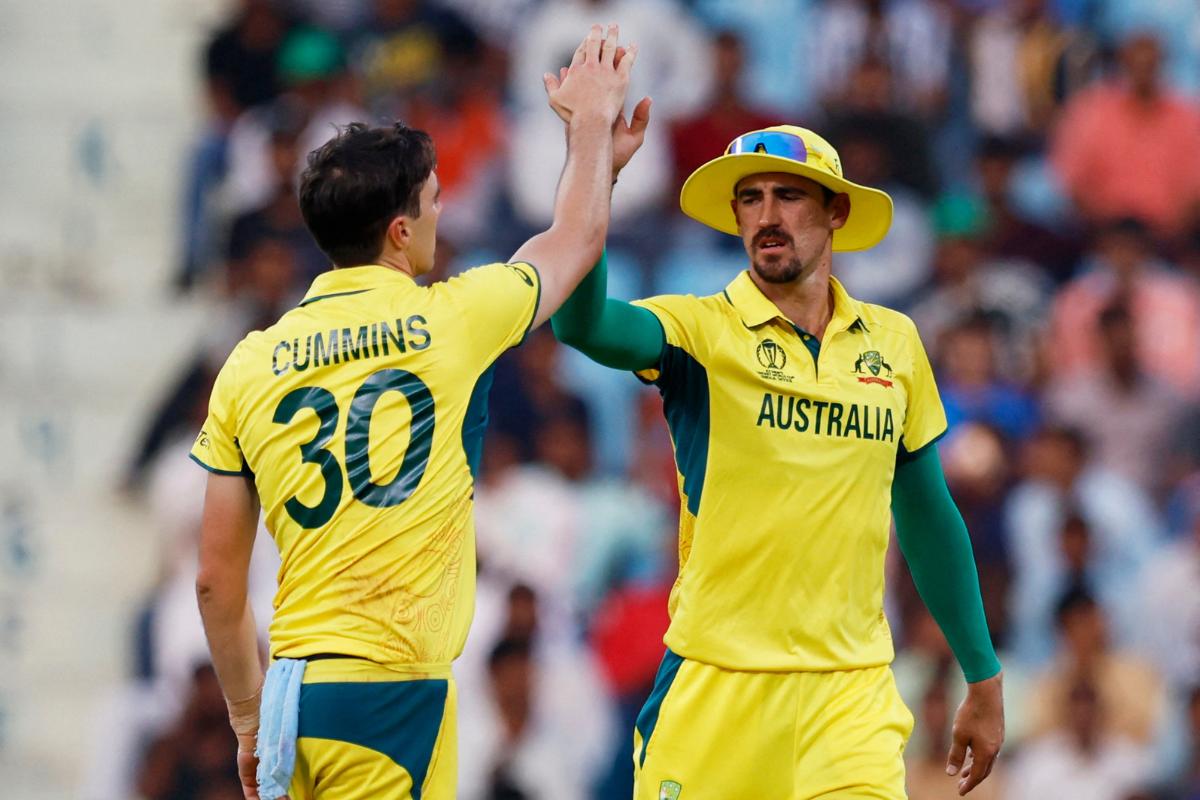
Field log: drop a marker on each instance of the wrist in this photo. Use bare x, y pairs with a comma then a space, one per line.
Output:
589, 119
243, 714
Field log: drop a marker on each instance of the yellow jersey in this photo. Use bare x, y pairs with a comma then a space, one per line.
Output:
785, 452
360, 416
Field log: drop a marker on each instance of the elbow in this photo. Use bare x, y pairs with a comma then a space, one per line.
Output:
214, 595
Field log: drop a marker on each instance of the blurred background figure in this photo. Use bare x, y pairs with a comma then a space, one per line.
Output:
1122, 148
1080, 757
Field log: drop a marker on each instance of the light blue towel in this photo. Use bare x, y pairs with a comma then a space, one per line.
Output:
279, 720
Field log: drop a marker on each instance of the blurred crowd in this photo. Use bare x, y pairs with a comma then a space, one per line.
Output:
1044, 160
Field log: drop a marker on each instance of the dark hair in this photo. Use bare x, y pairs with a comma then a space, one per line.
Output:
357, 182
508, 648
1075, 598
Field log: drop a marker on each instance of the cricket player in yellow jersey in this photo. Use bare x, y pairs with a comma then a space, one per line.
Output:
802, 421
356, 423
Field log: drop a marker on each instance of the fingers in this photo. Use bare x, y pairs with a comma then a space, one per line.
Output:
958, 752
551, 83
581, 52
641, 117
592, 44
619, 55
609, 48
562, 74
979, 766
626, 65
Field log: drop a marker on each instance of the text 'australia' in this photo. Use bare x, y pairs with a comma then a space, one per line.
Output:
827, 418
350, 344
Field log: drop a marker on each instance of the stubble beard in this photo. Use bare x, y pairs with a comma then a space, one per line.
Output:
778, 270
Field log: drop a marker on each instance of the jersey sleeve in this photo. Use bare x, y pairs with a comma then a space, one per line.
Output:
683, 339
216, 448
924, 418
498, 303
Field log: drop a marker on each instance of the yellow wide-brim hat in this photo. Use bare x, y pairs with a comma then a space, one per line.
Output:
707, 193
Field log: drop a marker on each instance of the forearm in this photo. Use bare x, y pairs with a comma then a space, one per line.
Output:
610, 332
581, 203
575, 239
937, 547
233, 643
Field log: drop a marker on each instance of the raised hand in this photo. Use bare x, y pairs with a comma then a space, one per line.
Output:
628, 136
596, 81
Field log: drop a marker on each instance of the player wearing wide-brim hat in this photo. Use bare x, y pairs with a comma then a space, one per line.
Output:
785, 148
803, 420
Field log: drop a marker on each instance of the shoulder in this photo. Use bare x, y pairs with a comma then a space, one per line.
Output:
888, 320
688, 304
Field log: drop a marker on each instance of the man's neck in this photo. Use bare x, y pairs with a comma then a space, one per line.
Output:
806, 301
396, 261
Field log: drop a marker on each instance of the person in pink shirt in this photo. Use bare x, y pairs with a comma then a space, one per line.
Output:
1164, 306
1128, 146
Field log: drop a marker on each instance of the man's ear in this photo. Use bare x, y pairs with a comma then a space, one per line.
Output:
839, 210
398, 233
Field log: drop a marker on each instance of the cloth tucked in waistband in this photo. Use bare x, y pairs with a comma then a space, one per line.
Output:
279, 722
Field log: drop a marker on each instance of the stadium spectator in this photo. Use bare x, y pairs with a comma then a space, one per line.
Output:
195, 759
913, 36
1060, 481
529, 389
1009, 234
461, 111
1023, 62
869, 108
311, 64
1080, 758
971, 388
1126, 147
240, 60
239, 73
1129, 689
1164, 307
777, 64
1168, 604
968, 281
537, 723
1186, 786
278, 219
1129, 417
727, 115
405, 46
891, 272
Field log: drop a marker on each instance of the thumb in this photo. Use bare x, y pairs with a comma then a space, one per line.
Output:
958, 753
641, 116
551, 83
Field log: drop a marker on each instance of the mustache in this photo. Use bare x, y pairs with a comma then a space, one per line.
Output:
774, 233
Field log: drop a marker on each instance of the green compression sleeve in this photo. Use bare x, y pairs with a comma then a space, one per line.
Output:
611, 332
935, 543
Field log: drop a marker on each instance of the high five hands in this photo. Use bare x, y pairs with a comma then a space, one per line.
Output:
587, 80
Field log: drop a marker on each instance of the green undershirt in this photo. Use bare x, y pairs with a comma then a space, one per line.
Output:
929, 528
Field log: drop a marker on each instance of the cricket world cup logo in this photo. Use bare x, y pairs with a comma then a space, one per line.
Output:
771, 355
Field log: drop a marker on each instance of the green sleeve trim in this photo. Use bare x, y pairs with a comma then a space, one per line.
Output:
537, 301
937, 547
611, 332
903, 455
241, 473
